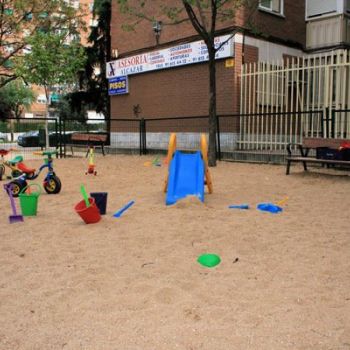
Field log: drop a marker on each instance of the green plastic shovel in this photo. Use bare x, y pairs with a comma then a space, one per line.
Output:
85, 196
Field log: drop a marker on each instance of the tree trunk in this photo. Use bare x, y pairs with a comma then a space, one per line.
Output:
12, 132
47, 93
212, 109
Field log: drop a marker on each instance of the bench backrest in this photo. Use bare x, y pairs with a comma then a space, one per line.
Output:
89, 137
315, 142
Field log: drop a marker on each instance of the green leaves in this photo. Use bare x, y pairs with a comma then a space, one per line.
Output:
15, 95
20, 19
51, 61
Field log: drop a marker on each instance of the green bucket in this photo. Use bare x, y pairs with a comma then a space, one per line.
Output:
29, 201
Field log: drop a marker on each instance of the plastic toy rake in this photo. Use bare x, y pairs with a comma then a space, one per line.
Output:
14, 217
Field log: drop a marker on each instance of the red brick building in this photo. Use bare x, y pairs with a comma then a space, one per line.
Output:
277, 29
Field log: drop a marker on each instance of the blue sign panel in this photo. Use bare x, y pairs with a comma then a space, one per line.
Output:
118, 86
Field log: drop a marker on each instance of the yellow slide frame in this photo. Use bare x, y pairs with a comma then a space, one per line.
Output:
204, 151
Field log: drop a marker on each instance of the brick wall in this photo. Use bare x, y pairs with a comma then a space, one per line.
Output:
291, 28
176, 92
183, 91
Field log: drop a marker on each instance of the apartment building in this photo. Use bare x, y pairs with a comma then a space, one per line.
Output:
167, 73
327, 24
286, 72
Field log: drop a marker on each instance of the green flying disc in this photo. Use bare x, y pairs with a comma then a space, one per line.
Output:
209, 260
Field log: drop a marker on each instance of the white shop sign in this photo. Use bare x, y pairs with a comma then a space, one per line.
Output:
175, 56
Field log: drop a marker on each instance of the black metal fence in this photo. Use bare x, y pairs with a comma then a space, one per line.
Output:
251, 137
237, 136
25, 136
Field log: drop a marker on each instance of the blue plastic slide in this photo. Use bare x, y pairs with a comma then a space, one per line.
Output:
186, 177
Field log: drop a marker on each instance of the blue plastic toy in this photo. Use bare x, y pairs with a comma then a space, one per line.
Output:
119, 213
272, 208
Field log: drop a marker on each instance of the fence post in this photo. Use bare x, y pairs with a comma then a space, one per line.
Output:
140, 136
56, 137
325, 123
64, 137
60, 135
144, 137
143, 146
218, 137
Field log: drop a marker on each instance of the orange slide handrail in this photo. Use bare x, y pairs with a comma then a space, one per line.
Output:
171, 151
204, 151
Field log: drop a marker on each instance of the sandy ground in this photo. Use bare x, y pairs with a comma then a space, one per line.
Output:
133, 283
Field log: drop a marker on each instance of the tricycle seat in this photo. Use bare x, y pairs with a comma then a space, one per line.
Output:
16, 160
22, 167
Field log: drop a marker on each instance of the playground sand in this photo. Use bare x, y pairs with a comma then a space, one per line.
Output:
134, 283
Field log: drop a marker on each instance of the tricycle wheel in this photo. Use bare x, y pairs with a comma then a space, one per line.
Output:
17, 186
2, 171
53, 185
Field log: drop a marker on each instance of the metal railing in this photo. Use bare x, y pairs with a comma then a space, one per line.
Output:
261, 137
25, 136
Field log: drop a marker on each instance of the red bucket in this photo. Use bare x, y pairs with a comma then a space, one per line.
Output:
90, 214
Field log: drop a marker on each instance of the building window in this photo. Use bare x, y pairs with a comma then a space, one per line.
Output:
317, 8
274, 6
93, 22
41, 99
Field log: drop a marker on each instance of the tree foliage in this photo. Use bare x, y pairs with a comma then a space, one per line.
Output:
93, 81
204, 15
51, 60
21, 19
16, 96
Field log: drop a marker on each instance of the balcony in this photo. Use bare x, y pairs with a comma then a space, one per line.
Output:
328, 32
327, 23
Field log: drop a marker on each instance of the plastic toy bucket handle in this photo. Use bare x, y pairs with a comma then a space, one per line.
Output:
28, 186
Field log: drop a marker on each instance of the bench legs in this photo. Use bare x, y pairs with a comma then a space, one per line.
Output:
288, 167
305, 167
289, 162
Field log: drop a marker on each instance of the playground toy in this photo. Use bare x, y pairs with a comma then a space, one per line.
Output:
91, 166
85, 196
209, 260
51, 183
187, 172
271, 208
14, 217
100, 200
87, 208
119, 213
155, 162
239, 206
29, 200
3, 164
282, 201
